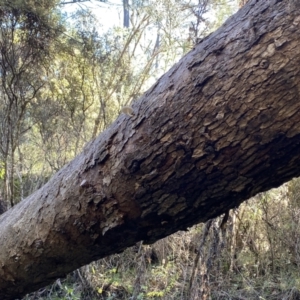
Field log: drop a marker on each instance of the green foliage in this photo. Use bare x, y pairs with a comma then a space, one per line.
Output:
70, 294
67, 86
2, 172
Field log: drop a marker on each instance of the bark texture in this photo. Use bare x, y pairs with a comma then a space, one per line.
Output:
219, 127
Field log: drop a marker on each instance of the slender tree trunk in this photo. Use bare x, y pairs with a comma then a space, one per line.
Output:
126, 13
6, 189
233, 250
11, 175
219, 127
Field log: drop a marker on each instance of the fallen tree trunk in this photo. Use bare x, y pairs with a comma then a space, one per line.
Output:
219, 127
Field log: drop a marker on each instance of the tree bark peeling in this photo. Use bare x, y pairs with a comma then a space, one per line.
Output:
219, 127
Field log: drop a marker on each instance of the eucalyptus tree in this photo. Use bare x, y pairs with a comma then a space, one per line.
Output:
95, 72
121, 63
27, 32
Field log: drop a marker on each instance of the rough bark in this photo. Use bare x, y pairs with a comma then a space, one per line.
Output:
219, 127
